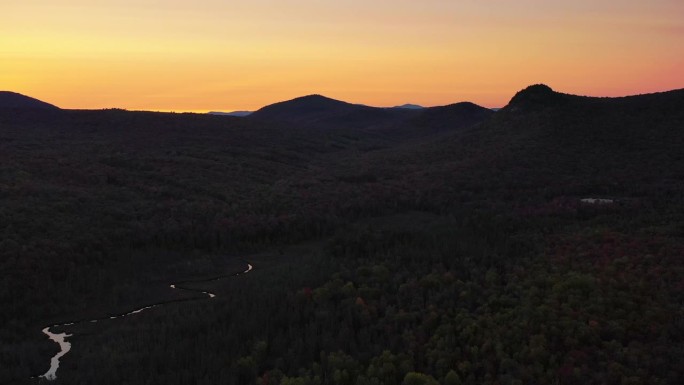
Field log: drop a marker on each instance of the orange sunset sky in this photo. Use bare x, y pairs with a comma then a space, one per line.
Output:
201, 55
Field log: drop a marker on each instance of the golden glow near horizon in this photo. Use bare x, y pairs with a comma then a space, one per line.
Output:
177, 55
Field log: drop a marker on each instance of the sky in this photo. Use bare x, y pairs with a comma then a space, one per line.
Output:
202, 55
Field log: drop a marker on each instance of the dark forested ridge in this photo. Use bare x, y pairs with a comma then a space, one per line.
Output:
451, 117
322, 113
13, 100
538, 244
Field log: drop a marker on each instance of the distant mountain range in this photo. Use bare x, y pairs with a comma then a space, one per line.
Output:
247, 113
410, 106
318, 111
234, 113
323, 112
10, 99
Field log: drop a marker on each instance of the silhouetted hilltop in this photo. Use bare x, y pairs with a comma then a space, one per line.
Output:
453, 116
618, 115
14, 100
535, 97
305, 107
324, 112
545, 144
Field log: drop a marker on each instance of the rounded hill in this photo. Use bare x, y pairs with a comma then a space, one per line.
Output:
10, 99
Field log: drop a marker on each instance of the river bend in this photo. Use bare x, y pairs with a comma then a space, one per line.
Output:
65, 346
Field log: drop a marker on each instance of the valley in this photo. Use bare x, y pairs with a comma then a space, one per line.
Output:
450, 245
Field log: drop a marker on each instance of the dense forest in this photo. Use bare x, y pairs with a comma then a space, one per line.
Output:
540, 244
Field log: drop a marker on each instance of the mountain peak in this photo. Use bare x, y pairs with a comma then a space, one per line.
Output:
309, 107
537, 95
314, 99
539, 88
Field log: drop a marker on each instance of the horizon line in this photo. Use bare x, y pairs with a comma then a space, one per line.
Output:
229, 110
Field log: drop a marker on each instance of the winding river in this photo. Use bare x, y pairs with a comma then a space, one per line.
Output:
65, 346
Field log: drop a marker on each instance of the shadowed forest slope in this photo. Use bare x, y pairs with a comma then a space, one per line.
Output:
542, 146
